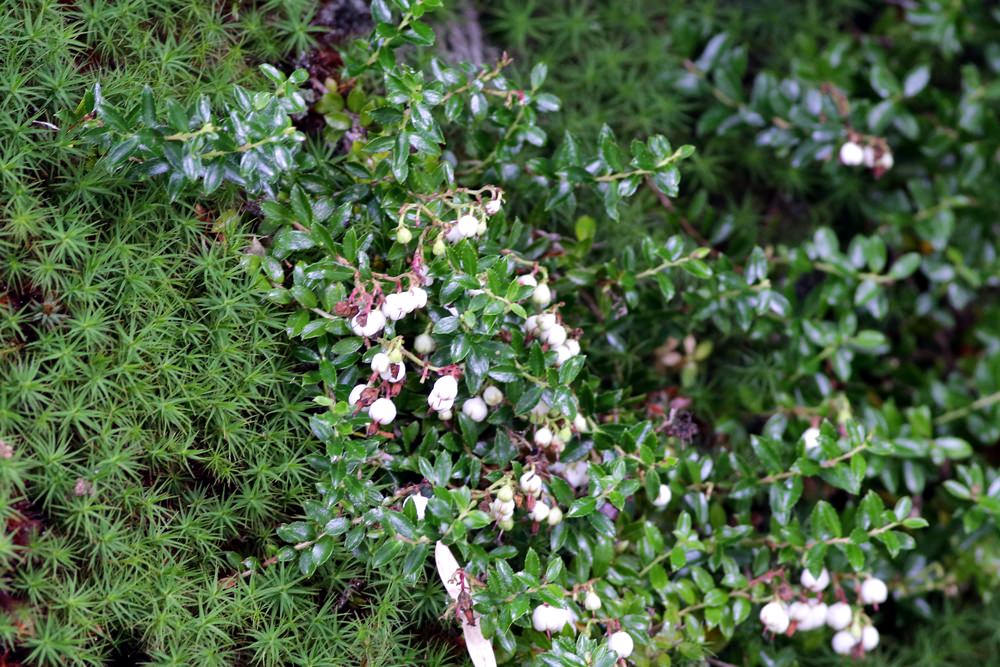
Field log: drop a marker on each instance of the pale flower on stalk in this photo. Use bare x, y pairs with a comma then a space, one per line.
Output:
368, 325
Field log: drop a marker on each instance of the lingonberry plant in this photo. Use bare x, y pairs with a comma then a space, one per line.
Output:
571, 521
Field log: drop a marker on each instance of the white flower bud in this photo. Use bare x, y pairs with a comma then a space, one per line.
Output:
546, 321
396, 306
580, 423
774, 617
558, 619
380, 363
542, 296
418, 297
395, 373
355, 395
475, 409
843, 643
621, 643
592, 601
420, 504
873, 591
543, 437
506, 525
440, 404
502, 509
492, 396
403, 235
851, 154
540, 618
817, 616
839, 615
373, 323
540, 512
439, 248
555, 517
663, 496
445, 415
811, 438
555, 336
531, 325
885, 162
815, 584
382, 411
798, 611
446, 386
527, 280
573, 346
530, 483
505, 494
808, 615
869, 638
563, 355
550, 619
868, 156
424, 344
467, 226
481, 229
492, 206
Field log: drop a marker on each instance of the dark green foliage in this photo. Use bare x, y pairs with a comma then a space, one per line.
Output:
154, 433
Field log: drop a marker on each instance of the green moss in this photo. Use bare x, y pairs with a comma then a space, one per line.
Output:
154, 432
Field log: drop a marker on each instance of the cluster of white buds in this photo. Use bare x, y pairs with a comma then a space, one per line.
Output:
477, 408
621, 643
550, 619
853, 632
466, 227
546, 327
542, 294
847, 642
809, 615
379, 410
502, 508
389, 367
400, 304
442, 396
542, 512
853, 154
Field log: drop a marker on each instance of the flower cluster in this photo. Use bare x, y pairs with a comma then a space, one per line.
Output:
854, 632
873, 154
